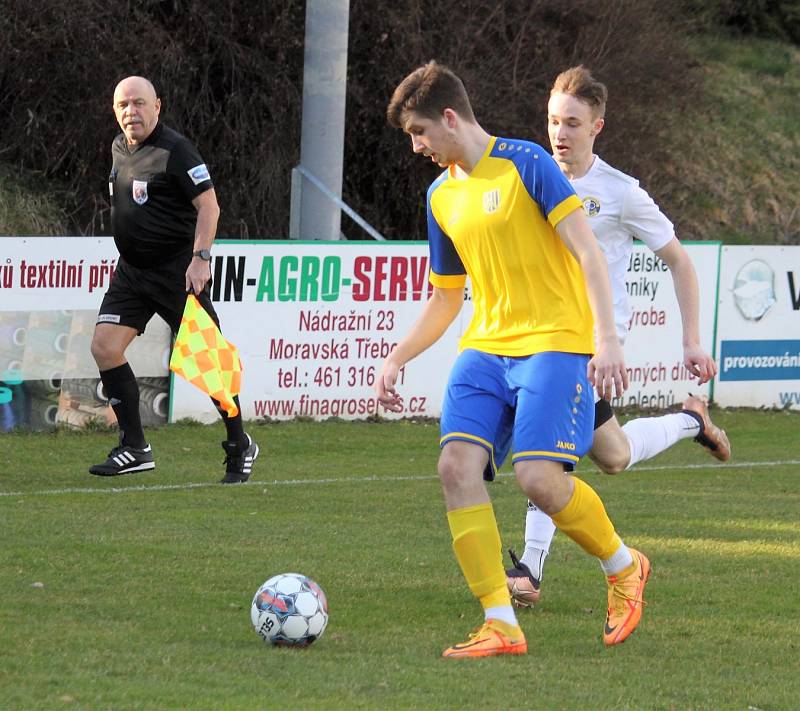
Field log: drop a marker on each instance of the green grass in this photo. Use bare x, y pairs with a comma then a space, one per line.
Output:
147, 580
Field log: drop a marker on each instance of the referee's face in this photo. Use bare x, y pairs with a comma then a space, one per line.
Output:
136, 108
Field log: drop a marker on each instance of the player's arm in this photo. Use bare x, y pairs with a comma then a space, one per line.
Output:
687, 291
607, 370
199, 271
437, 315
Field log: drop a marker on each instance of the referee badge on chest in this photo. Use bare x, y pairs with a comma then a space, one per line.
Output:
491, 201
140, 192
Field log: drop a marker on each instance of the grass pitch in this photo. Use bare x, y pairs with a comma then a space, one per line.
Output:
134, 592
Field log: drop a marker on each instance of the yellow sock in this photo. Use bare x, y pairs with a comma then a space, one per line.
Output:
476, 542
585, 521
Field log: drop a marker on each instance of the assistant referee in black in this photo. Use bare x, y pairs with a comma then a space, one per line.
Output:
164, 214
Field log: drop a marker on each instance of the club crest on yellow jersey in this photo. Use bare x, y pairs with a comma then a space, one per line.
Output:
591, 206
491, 201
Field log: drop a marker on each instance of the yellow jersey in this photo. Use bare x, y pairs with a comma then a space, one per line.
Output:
497, 226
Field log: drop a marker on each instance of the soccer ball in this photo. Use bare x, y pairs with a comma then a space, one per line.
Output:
289, 610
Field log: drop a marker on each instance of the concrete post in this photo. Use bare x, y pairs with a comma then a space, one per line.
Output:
314, 215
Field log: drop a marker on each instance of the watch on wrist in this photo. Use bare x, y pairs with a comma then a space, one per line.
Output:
204, 254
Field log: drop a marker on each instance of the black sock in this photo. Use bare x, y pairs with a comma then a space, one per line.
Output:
122, 392
699, 422
233, 425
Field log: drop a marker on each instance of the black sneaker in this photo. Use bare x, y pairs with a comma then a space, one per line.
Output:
238, 461
124, 460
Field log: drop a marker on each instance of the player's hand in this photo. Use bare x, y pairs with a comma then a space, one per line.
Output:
198, 275
607, 371
699, 363
384, 387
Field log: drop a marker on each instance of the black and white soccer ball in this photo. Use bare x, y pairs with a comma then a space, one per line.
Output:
289, 610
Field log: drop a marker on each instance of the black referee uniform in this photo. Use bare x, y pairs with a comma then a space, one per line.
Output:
151, 186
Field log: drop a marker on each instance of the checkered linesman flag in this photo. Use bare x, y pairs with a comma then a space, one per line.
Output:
203, 357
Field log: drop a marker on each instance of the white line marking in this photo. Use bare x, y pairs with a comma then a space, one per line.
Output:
350, 479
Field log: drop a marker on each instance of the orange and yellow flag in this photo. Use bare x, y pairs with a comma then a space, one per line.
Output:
203, 357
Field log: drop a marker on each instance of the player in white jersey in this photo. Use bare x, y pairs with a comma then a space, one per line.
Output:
618, 210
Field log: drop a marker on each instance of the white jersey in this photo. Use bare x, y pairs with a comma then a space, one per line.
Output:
619, 210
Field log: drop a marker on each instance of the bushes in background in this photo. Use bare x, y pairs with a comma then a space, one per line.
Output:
230, 77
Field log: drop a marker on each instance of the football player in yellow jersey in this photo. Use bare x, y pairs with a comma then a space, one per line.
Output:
503, 214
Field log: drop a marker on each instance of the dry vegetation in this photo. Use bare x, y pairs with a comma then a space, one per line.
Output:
230, 77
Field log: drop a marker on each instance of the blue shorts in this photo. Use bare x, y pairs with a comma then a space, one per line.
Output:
542, 402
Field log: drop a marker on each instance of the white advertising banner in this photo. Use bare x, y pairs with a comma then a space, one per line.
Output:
654, 348
39, 273
759, 327
50, 292
313, 323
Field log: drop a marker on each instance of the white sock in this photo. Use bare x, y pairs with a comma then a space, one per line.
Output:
504, 613
539, 532
647, 436
619, 561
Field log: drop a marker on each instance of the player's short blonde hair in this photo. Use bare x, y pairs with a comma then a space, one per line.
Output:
428, 91
579, 82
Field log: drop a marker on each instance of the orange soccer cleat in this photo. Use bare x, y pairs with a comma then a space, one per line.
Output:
494, 637
625, 601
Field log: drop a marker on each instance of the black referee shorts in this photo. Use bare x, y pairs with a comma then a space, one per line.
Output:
135, 295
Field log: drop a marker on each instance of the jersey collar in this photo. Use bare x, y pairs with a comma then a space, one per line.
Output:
452, 173
156, 132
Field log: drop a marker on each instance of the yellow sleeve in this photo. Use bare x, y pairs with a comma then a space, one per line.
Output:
447, 281
566, 206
